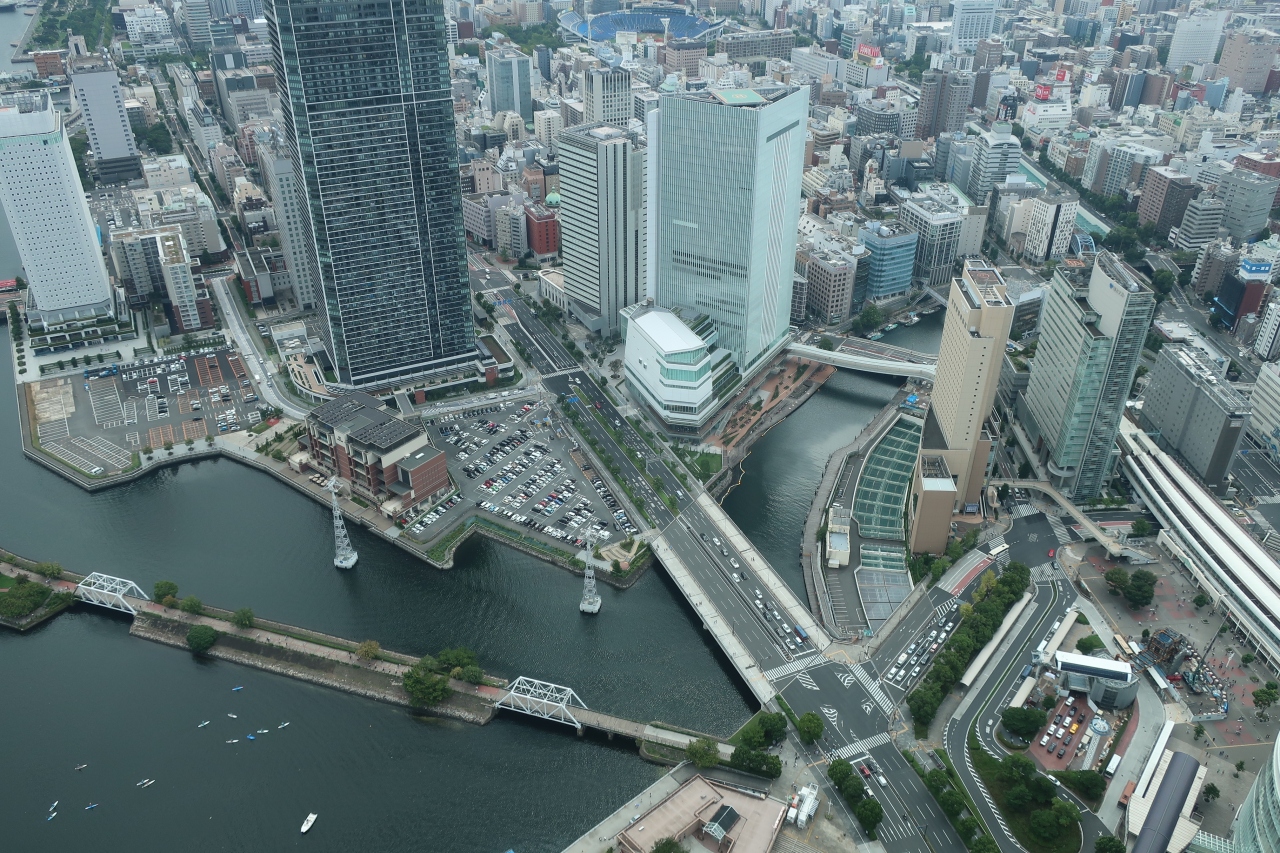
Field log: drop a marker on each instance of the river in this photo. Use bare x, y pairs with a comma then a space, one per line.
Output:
80, 690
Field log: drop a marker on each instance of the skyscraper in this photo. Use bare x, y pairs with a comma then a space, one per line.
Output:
1247, 198
602, 222
368, 119
44, 202
1195, 40
892, 244
971, 20
289, 201
606, 95
996, 153
197, 13
509, 81
1092, 328
945, 98
730, 260
1200, 222
1257, 827
97, 89
1051, 221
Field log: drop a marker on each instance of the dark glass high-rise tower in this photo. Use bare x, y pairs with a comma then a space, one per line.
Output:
364, 87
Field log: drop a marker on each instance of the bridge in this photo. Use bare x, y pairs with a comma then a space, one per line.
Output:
560, 704
110, 592
1114, 547
865, 363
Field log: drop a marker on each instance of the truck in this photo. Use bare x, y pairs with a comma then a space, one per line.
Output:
808, 804
902, 658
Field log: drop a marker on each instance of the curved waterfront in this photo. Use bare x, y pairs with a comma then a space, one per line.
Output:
81, 690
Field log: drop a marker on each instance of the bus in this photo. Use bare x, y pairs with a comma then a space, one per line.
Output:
1124, 646
998, 551
1112, 766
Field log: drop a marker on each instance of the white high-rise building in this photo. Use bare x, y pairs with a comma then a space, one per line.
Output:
1051, 220
198, 18
602, 222
997, 152
606, 95
971, 21
1195, 40
281, 180
547, 125
97, 90
732, 260
1267, 344
44, 202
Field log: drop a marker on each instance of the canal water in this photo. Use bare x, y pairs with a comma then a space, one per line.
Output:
80, 690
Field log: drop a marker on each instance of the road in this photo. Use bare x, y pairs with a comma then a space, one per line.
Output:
244, 341
1179, 307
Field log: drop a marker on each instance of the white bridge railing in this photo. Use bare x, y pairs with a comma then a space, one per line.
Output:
543, 699
107, 591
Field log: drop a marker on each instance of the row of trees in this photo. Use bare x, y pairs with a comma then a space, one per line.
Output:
866, 809
940, 784
975, 630
1026, 790
1139, 589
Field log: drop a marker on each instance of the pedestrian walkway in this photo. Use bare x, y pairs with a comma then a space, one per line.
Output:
800, 664
1060, 530
873, 688
860, 747
1045, 573
1023, 510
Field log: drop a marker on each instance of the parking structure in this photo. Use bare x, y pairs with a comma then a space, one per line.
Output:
96, 420
509, 462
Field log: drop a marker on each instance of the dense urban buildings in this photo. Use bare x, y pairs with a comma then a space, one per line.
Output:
384, 207
731, 261
97, 91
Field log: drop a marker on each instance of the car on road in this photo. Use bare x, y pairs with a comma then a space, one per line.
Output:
1051, 550
758, 595
865, 772
734, 563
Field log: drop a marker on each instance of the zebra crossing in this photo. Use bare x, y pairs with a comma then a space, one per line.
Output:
1060, 530
860, 747
1045, 573
807, 682
798, 665
1023, 510
873, 688
997, 544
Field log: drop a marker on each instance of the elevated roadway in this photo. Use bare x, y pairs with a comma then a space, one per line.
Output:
1114, 547
864, 363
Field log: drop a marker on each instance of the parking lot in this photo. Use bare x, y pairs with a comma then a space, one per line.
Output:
96, 420
1066, 735
510, 462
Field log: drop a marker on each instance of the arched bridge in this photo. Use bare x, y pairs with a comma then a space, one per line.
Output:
864, 363
110, 592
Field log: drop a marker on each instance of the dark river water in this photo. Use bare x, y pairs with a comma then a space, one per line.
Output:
81, 690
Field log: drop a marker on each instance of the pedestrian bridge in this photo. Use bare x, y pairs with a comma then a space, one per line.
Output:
864, 363
110, 592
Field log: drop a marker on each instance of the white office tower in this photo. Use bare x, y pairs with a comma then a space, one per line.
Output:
602, 222
1267, 345
45, 205
281, 180
971, 21
606, 95
724, 203
1195, 40
997, 153
97, 91
198, 19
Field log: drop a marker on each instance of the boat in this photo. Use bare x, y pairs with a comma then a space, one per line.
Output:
142, 783
51, 816
237, 740
890, 327
262, 731
251, 737
235, 689
233, 716
148, 783
55, 805
306, 824
202, 725
874, 336
91, 806
912, 319
81, 766
282, 725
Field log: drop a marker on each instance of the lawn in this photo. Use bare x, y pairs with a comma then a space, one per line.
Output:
5, 581
1019, 821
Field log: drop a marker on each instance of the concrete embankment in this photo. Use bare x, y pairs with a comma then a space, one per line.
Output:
267, 655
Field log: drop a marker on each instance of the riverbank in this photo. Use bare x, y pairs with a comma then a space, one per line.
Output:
20, 53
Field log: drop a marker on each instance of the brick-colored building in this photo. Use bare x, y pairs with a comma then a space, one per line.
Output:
543, 227
48, 63
383, 458
1166, 193
1262, 163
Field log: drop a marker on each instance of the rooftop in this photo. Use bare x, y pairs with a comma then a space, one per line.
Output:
362, 417
667, 331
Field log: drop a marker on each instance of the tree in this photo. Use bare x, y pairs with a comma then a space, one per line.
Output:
192, 605
968, 828
752, 736
1018, 797
774, 726
838, 771
1211, 792
368, 650
473, 674
668, 845
169, 601
451, 658
1239, 766
1002, 493
424, 686
1247, 658
984, 844
200, 638
1108, 844
703, 752
1200, 601
853, 789
1140, 527
1023, 722
1265, 698
1024, 471
952, 803
1199, 731
1118, 580
242, 618
1089, 644
754, 761
1141, 589
1017, 769
869, 813
1087, 783
936, 781
164, 589
826, 344
810, 727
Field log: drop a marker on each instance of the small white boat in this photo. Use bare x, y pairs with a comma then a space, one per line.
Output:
233, 716
237, 740
140, 784
81, 766
306, 824
262, 731
55, 805
236, 689
51, 816
282, 725
202, 725
91, 806
148, 783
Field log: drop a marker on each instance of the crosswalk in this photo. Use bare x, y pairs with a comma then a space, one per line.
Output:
943, 609
1023, 510
860, 747
873, 688
1045, 573
798, 665
996, 544
1060, 530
